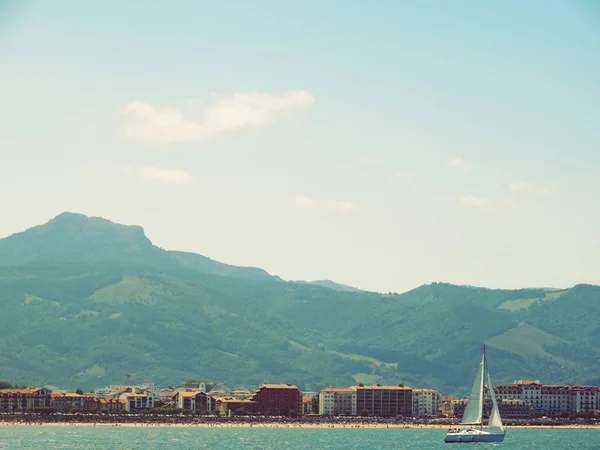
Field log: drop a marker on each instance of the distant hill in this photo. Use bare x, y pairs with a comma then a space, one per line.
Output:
331, 285
78, 238
85, 300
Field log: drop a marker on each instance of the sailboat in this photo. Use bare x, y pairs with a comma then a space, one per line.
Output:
472, 419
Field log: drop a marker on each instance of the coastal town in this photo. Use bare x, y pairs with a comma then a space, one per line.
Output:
522, 399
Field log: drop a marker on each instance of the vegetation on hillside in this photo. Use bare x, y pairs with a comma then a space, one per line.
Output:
82, 305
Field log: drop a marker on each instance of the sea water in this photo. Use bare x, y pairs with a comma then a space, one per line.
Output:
182, 438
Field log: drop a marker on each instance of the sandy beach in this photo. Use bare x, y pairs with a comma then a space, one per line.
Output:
272, 425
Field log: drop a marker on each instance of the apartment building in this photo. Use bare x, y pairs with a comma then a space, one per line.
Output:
73, 401
307, 404
426, 402
193, 400
513, 409
21, 400
278, 399
452, 406
111, 405
337, 402
383, 401
110, 391
551, 399
136, 398
227, 406
555, 398
584, 399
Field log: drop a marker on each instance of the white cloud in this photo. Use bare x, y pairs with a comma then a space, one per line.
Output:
459, 164
485, 203
165, 175
147, 123
530, 188
336, 206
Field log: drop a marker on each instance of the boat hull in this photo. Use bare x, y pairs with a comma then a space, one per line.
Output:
477, 436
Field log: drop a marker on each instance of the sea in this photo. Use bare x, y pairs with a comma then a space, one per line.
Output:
108, 437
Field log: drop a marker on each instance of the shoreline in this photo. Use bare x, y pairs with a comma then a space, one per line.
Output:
296, 425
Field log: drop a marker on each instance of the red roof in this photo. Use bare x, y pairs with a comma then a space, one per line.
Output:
277, 386
337, 389
397, 387
20, 391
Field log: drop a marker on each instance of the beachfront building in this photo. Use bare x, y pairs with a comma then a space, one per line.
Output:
110, 405
136, 398
308, 402
527, 390
584, 399
193, 400
426, 402
278, 400
551, 399
117, 389
383, 401
452, 406
240, 392
514, 409
334, 401
532, 393
71, 401
166, 394
376, 400
22, 400
229, 406
555, 398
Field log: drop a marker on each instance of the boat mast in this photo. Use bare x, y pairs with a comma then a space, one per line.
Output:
482, 383
473, 414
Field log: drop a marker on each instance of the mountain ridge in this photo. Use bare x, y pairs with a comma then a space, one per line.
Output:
121, 304
125, 243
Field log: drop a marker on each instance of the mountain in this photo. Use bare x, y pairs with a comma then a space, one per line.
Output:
78, 238
85, 300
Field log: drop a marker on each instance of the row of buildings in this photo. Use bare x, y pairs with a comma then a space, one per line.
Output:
520, 399
528, 398
551, 398
38, 399
379, 401
267, 399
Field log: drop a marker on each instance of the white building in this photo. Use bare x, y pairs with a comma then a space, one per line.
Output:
337, 402
528, 391
555, 398
104, 391
551, 398
151, 387
114, 390
136, 398
426, 402
193, 400
584, 399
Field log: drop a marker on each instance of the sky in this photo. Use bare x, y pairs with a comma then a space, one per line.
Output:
380, 144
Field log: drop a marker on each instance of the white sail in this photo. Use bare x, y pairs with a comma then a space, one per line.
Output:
474, 410
495, 419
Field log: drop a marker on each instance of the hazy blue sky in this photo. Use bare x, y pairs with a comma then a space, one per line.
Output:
382, 144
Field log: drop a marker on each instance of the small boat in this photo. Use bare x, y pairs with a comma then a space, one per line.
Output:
472, 419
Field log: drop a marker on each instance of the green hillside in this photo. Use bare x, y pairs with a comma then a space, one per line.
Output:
84, 303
